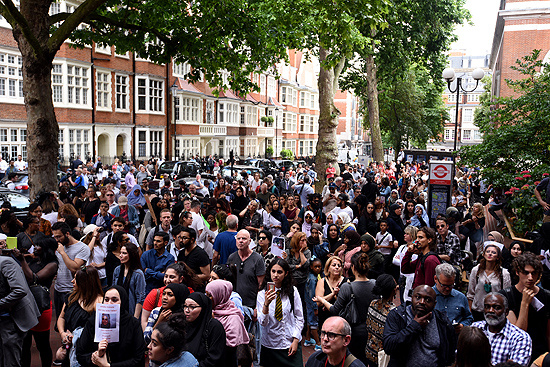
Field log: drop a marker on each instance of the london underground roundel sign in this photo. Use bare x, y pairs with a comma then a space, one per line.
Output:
440, 175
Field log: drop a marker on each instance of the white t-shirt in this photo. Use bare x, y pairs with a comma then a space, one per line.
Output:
384, 240
98, 256
198, 223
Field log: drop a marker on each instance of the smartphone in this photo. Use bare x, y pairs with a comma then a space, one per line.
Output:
270, 286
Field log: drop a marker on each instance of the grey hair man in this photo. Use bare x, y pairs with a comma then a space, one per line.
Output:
449, 300
225, 243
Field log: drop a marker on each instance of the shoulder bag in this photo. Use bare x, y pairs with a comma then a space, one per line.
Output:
350, 312
41, 294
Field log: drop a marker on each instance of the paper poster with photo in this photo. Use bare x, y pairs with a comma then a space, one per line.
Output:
278, 246
107, 322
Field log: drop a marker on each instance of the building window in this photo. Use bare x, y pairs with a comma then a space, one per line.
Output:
271, 87
311, 124
23, 135
302, 123
14, 134
210, 112
142, 144
449, 134
150, 95
121, 92
181, 70
468, 115
466, 134
14, 150
303, 99
57, 83
190, 109
221, 111
295, 98
312, 101
478, 135
77, 85
11, 76
283, 94
177, 110
473, 98
251, 116
262, 84
155, 143
3, 134
103, 49
103, 90
451, 98
243, 115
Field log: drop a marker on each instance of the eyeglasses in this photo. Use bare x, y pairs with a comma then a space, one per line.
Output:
330, 335
190, 307
446, 286
262, 238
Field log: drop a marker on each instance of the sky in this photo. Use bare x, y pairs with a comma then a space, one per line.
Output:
477, 39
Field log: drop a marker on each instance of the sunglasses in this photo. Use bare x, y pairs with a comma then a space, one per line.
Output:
440, 226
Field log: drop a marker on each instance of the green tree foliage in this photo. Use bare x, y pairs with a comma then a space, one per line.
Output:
515, 129
419, 34
411, 109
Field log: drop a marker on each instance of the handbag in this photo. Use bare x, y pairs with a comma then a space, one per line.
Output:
350, 312
41, 295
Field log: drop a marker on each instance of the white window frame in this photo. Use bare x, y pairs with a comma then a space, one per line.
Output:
122, 95
190, 109
152, 93
106, 50
103, 90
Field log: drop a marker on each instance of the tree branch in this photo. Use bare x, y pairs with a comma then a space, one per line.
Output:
72, 21
337, 71
15, 18
128, 26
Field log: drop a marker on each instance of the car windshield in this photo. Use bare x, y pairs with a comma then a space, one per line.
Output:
17, 201
167, 166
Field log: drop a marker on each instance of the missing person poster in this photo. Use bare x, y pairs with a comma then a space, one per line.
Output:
107, 322
278, 246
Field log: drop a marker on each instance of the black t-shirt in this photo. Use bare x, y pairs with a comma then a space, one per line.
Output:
537, 321
196, 259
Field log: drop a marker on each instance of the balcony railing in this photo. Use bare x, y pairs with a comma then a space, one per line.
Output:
266, 131
213, 130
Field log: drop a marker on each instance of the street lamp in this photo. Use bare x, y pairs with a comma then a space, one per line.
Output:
449, 75
276, 129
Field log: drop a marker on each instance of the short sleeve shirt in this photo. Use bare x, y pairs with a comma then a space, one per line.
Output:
225, 244
64, 276
247, 273
196, 259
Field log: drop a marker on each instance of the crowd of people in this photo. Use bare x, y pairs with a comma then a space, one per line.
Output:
242, 270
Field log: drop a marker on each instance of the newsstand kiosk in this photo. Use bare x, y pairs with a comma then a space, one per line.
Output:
439, 188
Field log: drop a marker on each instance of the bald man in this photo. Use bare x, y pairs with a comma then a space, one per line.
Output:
250, 269
335, 337
419, 335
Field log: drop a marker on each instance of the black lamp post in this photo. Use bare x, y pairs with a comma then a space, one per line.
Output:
449, 75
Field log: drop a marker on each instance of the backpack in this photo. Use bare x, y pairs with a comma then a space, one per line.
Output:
424, 257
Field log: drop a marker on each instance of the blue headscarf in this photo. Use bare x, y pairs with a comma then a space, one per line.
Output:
136, 200
415, 221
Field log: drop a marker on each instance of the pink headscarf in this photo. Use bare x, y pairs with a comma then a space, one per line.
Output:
227, 313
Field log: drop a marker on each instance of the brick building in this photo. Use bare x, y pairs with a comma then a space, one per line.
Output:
522, 26
116, 105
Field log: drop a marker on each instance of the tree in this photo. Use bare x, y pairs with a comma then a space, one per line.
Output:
237, 36
419, 33
411, 109
515, 129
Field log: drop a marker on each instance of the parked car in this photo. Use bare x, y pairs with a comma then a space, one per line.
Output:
19, 203
285, 165
21, 183
268, 166
180, 169
251, 170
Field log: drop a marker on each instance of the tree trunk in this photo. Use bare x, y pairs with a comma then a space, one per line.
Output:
327, 150
374, 113
42, 127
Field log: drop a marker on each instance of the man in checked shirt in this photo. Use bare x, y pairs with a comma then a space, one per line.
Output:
508, 342
448, 243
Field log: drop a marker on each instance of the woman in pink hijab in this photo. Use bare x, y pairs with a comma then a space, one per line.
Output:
225, 311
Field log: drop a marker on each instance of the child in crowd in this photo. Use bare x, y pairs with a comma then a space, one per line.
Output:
384, 239
312, 336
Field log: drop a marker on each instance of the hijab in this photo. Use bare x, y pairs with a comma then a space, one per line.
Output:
415, 221
325, 227
396, 218
311, 243
333, 243
497, 236
181, 292
278, 215
354, 239
195, 329
227, 313
306, 227
346, 222
134, 199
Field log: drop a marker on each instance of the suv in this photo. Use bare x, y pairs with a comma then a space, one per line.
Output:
177, 169
19, 203
285, 165
268, 166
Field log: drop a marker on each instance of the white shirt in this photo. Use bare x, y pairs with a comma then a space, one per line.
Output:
3, 166
198, 223
347, 210
280, 334
21, 165
384, 240
98, 255
401, 251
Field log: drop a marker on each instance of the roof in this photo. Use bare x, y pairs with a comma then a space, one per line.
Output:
184, 85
